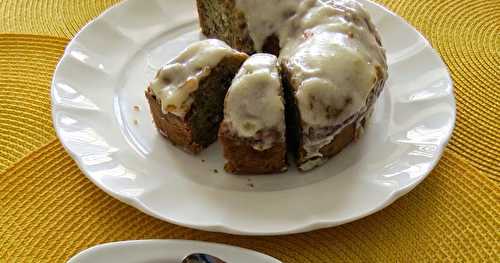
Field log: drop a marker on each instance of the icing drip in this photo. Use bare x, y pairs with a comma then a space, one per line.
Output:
264, 18
254, 103
175, 82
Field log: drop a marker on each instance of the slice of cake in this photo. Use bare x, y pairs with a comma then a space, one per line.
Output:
253, 131
187, 95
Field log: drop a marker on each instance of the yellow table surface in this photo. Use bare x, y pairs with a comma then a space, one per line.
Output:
49, 211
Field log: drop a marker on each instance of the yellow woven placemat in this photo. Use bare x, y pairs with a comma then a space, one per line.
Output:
49, 211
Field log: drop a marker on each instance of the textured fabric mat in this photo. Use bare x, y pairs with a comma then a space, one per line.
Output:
49, 211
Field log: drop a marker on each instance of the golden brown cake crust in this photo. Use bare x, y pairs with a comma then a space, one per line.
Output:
348, 134
242, 158
172, 127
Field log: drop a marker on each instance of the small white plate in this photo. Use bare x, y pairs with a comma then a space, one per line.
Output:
107, 66
166, 251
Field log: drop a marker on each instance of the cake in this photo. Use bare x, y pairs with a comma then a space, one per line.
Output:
253, 130
332, 60
187, 95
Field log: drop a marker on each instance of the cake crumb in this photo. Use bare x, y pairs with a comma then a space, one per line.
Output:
216, 171
308, 34
251, 185
202, 160
137, 108
136, 122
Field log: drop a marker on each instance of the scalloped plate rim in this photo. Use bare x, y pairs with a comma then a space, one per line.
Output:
169, 245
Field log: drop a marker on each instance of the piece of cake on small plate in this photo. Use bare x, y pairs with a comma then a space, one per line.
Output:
187, 95
253, 130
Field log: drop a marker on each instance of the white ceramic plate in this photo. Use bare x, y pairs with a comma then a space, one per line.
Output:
107, 66
166, 251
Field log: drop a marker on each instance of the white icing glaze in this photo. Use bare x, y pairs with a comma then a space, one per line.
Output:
254, 103
330, 92
310, 164
266, 17
176, 81
331, 52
